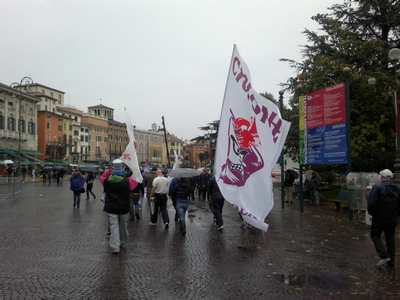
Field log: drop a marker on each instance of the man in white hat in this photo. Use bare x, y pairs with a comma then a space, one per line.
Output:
384, 207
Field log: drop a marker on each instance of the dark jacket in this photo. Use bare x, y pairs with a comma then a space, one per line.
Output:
384, 202
213, 190
77, 183
203, 181
180, 188
117, 191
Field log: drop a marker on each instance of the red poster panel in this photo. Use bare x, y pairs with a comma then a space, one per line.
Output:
326, 107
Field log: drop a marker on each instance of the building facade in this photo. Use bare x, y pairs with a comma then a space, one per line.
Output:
18, 120
49, 97
150, 147
97, 137
54, 136
101, 111
84, 143
75, 115
117, 138
196, 155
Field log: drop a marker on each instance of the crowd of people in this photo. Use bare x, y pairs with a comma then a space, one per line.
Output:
124, 196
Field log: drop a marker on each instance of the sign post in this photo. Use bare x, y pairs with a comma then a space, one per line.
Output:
324, 129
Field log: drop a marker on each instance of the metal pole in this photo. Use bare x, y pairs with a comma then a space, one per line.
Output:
348, 109
301, 193
166, 141
282, 159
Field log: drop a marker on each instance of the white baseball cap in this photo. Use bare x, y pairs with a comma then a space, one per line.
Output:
386, 173
117, 161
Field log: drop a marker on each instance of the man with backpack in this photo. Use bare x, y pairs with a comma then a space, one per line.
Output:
117, 186
384, 207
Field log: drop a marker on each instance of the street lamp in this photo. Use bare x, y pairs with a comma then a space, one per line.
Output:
394, 55
27, 81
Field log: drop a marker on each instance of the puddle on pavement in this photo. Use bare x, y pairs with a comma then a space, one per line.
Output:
321, 281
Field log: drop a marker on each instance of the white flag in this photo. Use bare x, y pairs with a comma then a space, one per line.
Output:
129, 156
177, 161
251, 136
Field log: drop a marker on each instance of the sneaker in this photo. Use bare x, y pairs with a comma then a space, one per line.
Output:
152, 224
220, 228
115, 252
166, 225
383, 262
137, 216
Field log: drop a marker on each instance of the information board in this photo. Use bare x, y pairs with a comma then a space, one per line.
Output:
325, 130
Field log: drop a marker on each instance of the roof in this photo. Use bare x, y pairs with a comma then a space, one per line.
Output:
42, 85
100, 106
8, 89
117, 123
70, 109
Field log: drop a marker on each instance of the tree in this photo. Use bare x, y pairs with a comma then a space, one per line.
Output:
353, 42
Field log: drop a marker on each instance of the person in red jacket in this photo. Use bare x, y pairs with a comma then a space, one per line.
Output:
117, 186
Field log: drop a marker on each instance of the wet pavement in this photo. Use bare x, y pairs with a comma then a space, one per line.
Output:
48, 250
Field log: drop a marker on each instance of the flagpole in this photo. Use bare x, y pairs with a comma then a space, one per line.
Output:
223, 102
166, 141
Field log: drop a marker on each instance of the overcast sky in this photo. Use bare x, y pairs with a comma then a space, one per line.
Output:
154, 57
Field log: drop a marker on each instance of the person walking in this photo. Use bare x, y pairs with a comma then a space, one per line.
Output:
9, 173
216, 202
160, 193
148, 184
290, 177
117, 187
203, 182
90, 177
33, 175
315, 182
135, 196
23, 171
180, 190
384, 207
77, 186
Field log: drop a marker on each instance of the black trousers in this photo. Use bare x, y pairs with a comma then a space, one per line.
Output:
377, 228
160, 204
216, 205
89, 187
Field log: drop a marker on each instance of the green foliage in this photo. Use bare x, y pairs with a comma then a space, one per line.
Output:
353, 44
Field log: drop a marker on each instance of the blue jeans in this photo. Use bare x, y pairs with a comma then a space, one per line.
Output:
77, 199
182, 206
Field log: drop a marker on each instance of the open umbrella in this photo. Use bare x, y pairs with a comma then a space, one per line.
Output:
7, 162
184, 173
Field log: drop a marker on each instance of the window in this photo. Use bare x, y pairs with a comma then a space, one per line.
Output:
11, 123
31, 127
82, 130
76, 132
86, 138
86, 130
48, 125
22, 126
10, 104
45, 107
1, 121
51, 94
70, 127
60, 128
82, 137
